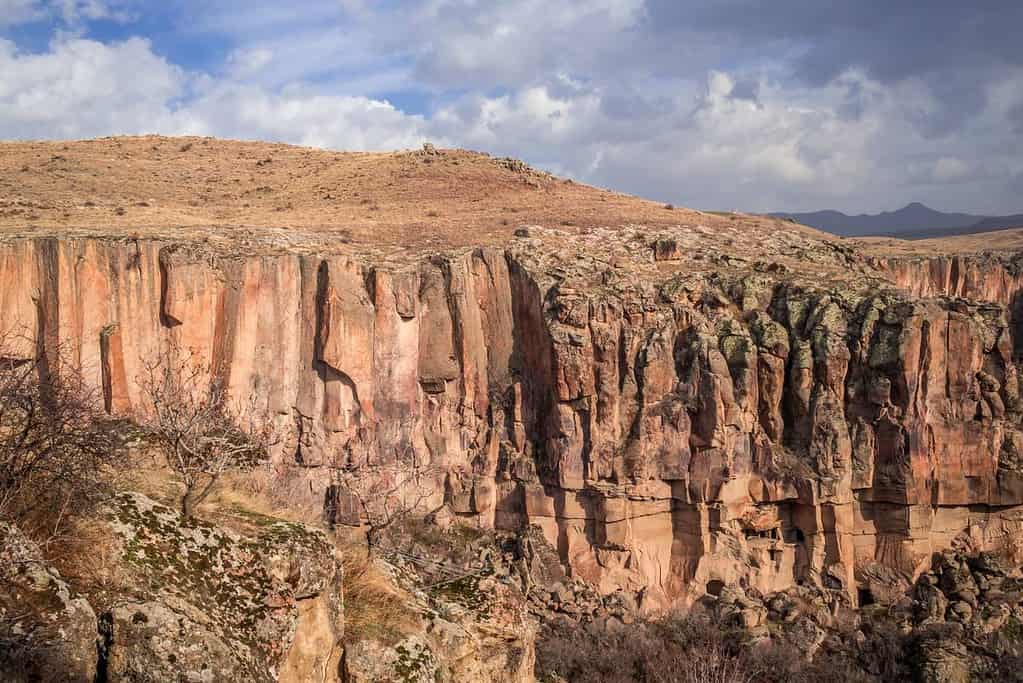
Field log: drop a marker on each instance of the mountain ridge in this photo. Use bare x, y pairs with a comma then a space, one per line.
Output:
913, 221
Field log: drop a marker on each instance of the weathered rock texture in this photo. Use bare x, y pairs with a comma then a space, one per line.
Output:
47, 633
960, 621
189, 601
669, 418
205, 603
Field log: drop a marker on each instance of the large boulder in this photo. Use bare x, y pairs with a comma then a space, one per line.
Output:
219, 605
47, 633
149, 642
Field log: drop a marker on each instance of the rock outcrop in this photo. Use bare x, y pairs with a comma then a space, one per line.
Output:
671, 419
960, 621
47, 633
183, 600
204, 603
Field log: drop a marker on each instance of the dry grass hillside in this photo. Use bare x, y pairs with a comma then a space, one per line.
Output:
999, 240
256, 195
437, 198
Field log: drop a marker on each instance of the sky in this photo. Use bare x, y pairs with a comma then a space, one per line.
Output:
794, 105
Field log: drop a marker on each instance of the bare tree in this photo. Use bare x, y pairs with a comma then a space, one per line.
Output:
188, 414
376, 496
58, 448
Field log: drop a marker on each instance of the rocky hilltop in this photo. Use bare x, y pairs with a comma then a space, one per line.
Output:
679, 400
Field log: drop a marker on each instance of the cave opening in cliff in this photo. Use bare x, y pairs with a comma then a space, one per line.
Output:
864, 597
715, 587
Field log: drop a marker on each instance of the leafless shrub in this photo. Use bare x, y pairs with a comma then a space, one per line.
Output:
57, 446
693, 648
189, 415
378, 495
687, 649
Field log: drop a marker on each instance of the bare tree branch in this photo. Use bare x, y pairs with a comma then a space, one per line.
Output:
57, 445
379, 495
191, 418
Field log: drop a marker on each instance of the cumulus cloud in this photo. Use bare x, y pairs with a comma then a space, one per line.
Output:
84, 88
71, 13
949, 168
718, 105
301, 117
246, 62
75, 11
510, 42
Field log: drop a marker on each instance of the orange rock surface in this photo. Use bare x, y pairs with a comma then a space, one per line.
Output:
674, 397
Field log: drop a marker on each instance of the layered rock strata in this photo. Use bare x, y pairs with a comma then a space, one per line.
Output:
672, 420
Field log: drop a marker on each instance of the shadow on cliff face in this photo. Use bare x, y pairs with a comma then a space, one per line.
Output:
1016, 323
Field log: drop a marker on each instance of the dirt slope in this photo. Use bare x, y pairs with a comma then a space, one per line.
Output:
445, 198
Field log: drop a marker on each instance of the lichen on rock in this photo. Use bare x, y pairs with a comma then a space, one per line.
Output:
198, 583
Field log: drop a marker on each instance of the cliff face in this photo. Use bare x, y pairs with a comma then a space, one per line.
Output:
983, 277
667, 429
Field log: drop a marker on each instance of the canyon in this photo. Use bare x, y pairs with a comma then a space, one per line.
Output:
679, 403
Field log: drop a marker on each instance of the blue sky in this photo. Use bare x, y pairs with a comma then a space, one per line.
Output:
728, 104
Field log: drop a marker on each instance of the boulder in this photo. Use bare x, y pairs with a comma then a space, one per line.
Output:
47, 632
220, 605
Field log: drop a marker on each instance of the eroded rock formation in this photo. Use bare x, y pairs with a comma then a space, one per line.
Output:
669, 418
202, 602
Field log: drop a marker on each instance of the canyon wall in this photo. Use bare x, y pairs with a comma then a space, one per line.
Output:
668, 431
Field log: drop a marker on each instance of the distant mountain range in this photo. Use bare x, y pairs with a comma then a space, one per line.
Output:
913, 221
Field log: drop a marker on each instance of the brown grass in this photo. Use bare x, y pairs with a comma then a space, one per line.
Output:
89, 558
998, 240
242, 500
374, 608
89, 553
177, 186
246, 499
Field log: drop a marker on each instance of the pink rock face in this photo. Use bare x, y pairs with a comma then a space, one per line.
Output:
661, 437
969, 276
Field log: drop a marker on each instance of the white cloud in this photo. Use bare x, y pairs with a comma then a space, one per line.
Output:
588, 88
72, 13
706, 146
246, 62
301, 117
949, 168
83, 88
75, 11
512, 42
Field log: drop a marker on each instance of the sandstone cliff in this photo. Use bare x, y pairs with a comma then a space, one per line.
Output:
719, 400
666, 430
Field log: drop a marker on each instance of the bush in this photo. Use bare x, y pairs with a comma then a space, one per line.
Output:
189, 415
58, 448
692, 648
688, 649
